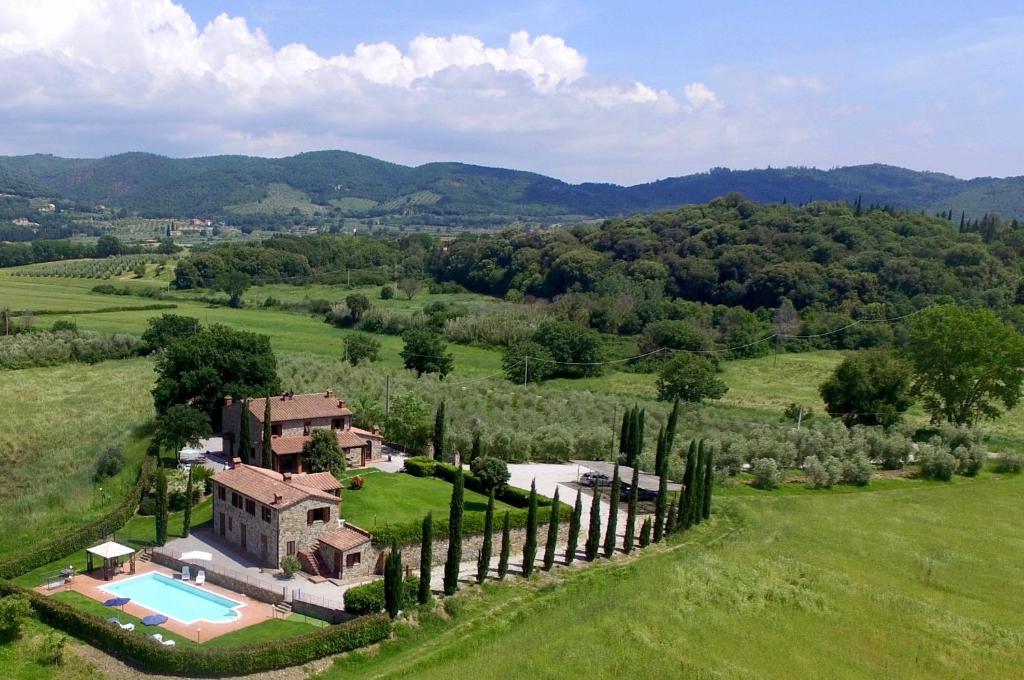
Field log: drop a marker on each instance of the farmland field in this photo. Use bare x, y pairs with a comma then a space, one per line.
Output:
908, 583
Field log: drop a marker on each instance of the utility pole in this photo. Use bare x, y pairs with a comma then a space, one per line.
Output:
526, 369
348, 278
799, 417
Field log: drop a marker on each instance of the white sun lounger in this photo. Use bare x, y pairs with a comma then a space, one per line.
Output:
160, 638
185, 575
124, 626
201, 577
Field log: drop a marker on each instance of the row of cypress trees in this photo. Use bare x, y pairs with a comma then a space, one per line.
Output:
693, 507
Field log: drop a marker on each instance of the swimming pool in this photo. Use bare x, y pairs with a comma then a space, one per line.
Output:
175, 599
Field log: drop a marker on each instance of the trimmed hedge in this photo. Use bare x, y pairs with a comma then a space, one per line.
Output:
472, 522
83, 537
369, 597
242, 660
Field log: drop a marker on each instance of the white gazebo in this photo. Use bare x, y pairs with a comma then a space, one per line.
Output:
112, 555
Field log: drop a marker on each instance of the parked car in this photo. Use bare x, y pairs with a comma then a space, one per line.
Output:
595, 479
642, 494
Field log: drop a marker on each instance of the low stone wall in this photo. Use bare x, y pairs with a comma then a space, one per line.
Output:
471, 546
320, 612
238, 584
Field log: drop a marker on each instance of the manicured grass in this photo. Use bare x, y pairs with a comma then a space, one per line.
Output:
57, 422
909, 583
398, 498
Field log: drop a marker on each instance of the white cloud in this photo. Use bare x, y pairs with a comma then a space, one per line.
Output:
701, 98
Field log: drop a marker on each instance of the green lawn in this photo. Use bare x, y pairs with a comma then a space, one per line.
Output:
398, 498
913, 582
58, 420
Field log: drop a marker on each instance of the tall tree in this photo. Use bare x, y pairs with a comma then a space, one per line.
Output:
670, 427
661, 502
870, 387
695, 501
161, 506
687, 493
451, 566
593, 543
268, 438
393, 580
181, 426
426, 558
574, 529
506, 546
625, 438
186, 515
483, 563
426, 352
967, 363
634, 493
245, 434
322, 452
551, 545
709, 483
611, 535
476, 451
530, 547
690, 378
438, 434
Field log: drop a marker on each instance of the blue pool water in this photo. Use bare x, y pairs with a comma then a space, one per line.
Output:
176, 599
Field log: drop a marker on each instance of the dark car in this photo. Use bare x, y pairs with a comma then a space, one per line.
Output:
642, 494
595, 479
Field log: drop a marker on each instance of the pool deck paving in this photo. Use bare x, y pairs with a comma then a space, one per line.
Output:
90, 584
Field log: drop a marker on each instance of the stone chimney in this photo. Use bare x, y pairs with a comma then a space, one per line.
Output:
278, 498
228, 400
287, 476
236, 462
342, 403
330, 394
375, 429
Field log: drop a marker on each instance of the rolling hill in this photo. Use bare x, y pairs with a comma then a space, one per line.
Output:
351, 184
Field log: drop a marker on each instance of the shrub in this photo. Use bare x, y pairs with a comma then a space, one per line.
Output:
289, 565
202, 478
147, 507
857, 470
970, 460
64, 325
13, 610
387, 292
822, 475
1010, 463
766, 473
419, 466
110, 462
492, 473
369, 597
50, 650
357, 483
938, 464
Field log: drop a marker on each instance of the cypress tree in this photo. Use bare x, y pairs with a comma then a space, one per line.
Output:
506, 546
963, 220
477, 449
439, 432
161, 506
661, 503
629, 538
483, 563
594, 534
530, 547
426, 558
687, 493
625, 438
695, 502
638, 435
268, 451
709, 483
670, 428
552, 543
393, 580
574, 529
451, 566
645, 533
245, 435
186, 516
611, 534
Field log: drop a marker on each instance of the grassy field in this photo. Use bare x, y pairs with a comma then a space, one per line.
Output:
57, 421
908, 583
396, 499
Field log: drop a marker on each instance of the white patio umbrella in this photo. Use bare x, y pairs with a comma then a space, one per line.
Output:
195, 555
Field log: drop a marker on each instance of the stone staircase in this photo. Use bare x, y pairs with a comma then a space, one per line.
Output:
146, 555
283, 609
313, 564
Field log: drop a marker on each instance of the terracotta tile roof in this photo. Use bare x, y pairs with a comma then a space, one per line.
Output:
346, 538
323, 481
266, 486
367, 434
301, 407
287, 445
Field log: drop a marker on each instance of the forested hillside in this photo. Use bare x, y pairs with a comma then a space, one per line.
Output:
337, 183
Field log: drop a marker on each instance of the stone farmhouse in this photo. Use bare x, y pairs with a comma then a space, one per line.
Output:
268, 515
293, 417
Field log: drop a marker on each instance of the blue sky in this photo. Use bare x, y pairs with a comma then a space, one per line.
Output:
624, 92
